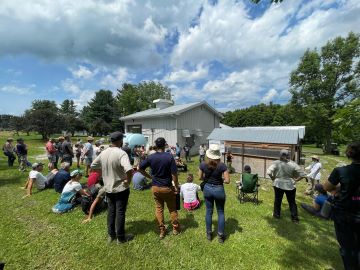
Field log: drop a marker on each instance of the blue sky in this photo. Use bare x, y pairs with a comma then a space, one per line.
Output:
232, 52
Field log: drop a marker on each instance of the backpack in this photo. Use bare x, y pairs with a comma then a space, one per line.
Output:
86, 201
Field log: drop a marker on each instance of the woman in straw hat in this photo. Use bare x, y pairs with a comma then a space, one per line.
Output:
314, 175
214, 174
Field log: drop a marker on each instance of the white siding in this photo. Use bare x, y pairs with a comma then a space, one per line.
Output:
198, 118
157, 127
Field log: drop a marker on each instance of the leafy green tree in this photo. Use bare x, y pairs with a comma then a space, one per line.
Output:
43, 117
347, 121
70, 117
133, 98
99, 110
325, 81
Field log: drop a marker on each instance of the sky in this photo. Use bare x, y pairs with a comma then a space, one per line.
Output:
233, 54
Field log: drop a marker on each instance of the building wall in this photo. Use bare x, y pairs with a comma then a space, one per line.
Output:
153, 128
198, 118
258, 165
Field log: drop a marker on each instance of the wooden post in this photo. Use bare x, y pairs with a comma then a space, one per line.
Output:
242, 158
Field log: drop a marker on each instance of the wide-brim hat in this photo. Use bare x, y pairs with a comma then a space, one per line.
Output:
89, 138
315, 157
213, 152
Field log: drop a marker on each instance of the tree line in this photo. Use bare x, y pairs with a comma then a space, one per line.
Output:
325, 97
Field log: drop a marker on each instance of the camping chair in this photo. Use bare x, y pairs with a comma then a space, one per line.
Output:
248, 188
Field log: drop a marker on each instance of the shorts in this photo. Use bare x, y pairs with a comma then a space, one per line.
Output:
52, 158
192, 205
88, 160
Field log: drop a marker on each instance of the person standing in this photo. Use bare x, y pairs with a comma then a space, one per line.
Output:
215, 174
202, 150
284, 173
59, 153
22, 151
51, 153
178, 150
88, 153
345, 182
164, 174
67, 150
187, 152
8, 150
314, 175
117, 175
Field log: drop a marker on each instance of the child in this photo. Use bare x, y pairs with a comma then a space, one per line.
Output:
189, 193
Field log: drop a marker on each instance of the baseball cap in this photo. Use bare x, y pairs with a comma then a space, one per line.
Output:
284, 152
37, 164
116, 136
160, 142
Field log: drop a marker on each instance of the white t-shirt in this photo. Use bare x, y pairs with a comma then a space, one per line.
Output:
315, 169
40, 179
72, 186
188, 192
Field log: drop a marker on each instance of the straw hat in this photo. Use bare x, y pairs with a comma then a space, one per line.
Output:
315, 157
213, 152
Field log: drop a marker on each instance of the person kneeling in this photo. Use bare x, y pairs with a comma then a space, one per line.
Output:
189, 193
69, 194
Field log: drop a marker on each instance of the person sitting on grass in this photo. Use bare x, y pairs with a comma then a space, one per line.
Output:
94, 177
36, 177
139, 181
319, 201
70, 193
189, 193
62, 177
99, 199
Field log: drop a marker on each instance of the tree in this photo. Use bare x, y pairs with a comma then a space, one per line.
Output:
70, 117
134, 98
325, 81
100, 110
347, 121
43, 117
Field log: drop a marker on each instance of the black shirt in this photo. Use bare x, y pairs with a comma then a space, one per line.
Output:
213, 177
162, 166
347, 203
66, 148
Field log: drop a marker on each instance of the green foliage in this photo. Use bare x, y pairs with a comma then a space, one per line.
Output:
347, 121
5, 120
324, 82
43, 117
99, 113
133, 98
70, 117
261, 115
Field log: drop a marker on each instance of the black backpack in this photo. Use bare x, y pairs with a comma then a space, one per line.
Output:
86, 201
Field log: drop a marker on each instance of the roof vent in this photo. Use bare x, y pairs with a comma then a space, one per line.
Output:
162, 103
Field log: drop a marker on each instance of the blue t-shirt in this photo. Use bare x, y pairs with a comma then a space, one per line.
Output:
213, 177
321, 199
162, 167
139, 181
89, 150
60, 180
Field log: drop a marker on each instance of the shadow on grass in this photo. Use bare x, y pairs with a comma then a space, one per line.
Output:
232, 226
138, 227
11, 180
188, 222
306, 249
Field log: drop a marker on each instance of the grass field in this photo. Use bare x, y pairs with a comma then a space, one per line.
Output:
32, 237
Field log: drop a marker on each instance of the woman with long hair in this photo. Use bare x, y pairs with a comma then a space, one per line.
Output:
345, 183
214, 174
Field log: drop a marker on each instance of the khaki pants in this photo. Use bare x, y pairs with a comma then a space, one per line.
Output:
311, 186
165, 195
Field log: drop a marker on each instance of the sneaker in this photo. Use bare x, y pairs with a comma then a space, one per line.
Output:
176, 232
221, 238
209, 236
127, 238
162, 235
110, 239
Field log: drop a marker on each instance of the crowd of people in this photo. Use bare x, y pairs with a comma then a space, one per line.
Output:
110, 170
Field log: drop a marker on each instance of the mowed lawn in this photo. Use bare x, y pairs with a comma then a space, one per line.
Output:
32, 237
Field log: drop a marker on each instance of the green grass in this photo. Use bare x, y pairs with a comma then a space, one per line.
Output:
32, 237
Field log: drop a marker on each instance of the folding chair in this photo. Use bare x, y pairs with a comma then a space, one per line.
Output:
248, 188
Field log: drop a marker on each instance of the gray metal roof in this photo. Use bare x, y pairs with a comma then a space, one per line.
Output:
260, 135
172, 110
300, 129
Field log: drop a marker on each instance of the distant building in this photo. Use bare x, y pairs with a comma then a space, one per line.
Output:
187, 123
258, 146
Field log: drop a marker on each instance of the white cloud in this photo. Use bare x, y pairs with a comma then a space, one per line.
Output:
13, 89
71, 87
180, 75
269, 96
115, 79
83, 72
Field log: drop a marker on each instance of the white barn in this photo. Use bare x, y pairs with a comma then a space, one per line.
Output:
187, 123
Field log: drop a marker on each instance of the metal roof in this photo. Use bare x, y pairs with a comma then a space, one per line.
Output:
275, 135
172, 110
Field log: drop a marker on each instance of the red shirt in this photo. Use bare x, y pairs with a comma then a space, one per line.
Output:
50, 148
93, 179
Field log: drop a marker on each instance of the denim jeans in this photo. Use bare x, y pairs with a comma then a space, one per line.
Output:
348, 236
11, 158
290, 196
117, 203
215, 193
